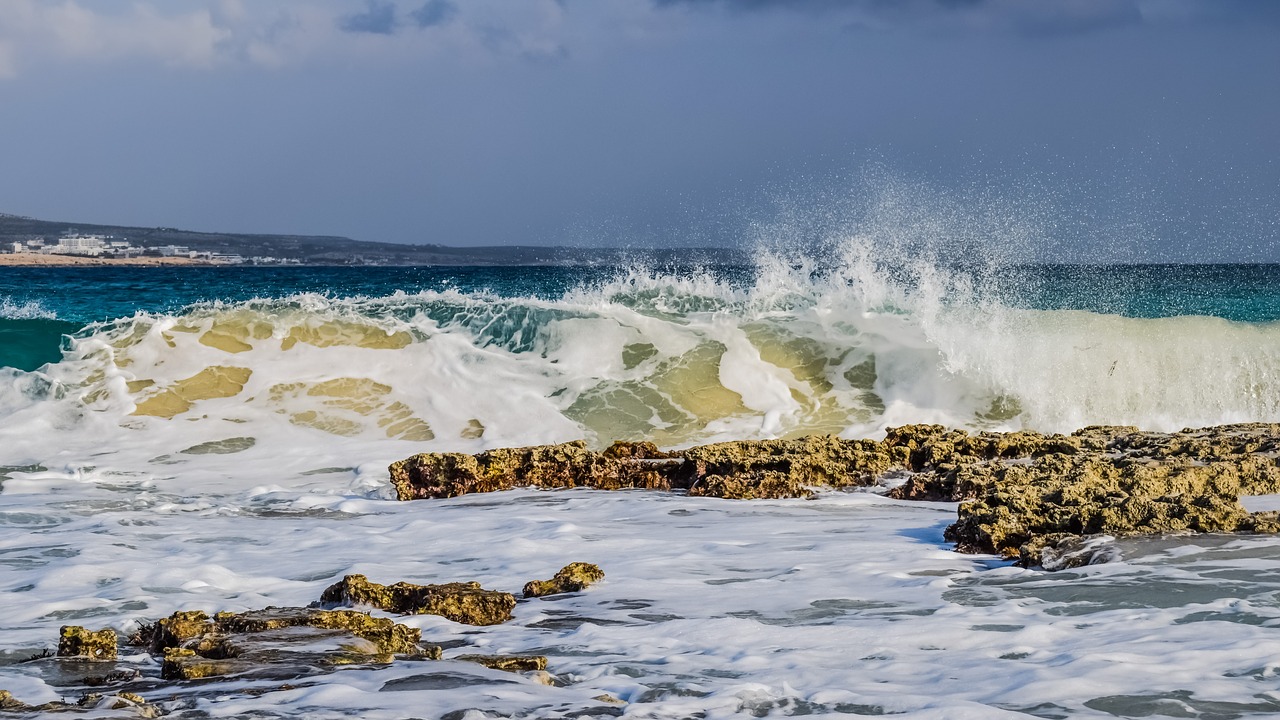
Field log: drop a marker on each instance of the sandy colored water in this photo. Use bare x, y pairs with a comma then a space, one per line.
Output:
36, 259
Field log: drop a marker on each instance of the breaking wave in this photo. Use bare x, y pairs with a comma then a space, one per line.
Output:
791, 348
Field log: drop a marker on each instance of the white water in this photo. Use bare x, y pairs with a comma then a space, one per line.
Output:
235, 457
10, 310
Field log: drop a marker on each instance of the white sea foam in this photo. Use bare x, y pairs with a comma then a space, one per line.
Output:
26, 310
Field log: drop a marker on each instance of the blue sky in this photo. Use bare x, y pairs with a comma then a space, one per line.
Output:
1130, 129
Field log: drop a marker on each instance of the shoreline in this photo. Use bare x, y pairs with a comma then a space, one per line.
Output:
39, 260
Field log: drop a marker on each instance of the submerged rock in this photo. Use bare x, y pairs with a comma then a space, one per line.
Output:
283, 644
574, 577
91, 701
464, 602
75, 641
279, 642
1063, 551
508, 663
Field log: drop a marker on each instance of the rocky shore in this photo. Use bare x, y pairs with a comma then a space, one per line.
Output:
286, 644
1024, 495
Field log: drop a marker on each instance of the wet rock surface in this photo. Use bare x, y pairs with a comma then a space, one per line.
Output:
461, 602
123, 701
76, 641
574, 577
1020, 492
508, 663
277, 642
746, 469
568, 465
282, 644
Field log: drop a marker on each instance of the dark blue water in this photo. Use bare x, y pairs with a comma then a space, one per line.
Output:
73, 297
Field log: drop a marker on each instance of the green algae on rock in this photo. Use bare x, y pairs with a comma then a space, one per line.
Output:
75, 641
463, 602
574, 577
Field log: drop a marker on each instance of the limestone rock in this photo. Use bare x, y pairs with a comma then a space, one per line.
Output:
75, 641
263, 642
441, 475
574, 577
742, 470
1018, 489
1061, 494
175, 630
464, 602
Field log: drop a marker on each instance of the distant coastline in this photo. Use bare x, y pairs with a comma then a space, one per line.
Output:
40, 260
156, 246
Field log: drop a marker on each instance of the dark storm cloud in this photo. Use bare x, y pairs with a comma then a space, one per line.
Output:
1024, 17
378, 18
433, 13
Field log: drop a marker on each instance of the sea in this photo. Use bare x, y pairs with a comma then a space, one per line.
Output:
217, 438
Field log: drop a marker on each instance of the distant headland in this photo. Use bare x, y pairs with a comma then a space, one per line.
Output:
27, 241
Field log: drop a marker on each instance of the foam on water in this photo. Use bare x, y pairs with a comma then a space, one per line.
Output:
28, 310
233, 455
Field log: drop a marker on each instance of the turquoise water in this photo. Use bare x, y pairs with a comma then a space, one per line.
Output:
40, 305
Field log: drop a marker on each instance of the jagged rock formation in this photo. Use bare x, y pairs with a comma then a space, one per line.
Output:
287, 643
194, 645
461, 602
1020, 492
75, 641
746, 469
574, 577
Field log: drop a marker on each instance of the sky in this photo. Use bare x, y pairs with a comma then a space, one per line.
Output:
1092, 129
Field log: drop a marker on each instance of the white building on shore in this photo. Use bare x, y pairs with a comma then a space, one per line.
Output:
77, 244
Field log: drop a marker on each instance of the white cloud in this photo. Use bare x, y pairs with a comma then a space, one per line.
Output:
201, 34
35, 32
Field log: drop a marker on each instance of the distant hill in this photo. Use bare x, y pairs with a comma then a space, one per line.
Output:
335, 250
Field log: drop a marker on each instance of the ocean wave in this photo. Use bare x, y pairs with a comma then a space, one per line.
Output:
849, 347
